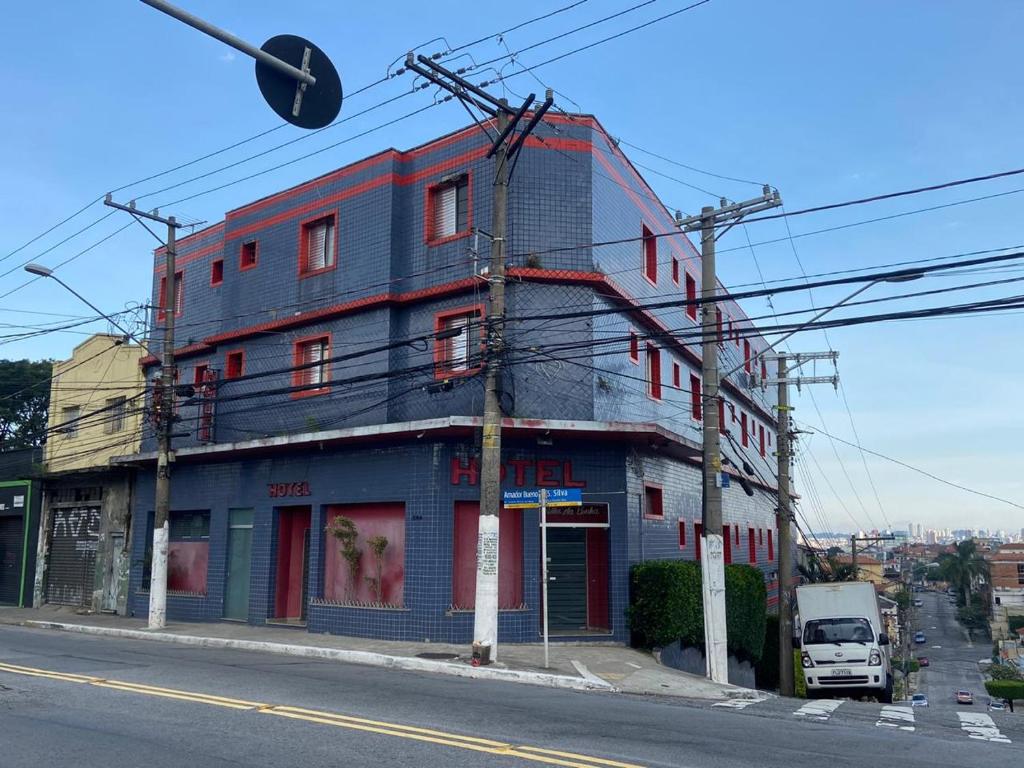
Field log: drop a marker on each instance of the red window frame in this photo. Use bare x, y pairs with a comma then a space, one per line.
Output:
764, 369
751, 547
682, 534
650, 254
677, 377
429, 205
654, 506
653, 373
696, 406
691, 297
698, 535
760, 430
179, 304
199, 372
736, 535
216, 272
304, 226
771, 547
760, 537
249, 253
746, 355
743, 429
675, 270
297, 359
634, 347
727, 544
234, 364
442, 347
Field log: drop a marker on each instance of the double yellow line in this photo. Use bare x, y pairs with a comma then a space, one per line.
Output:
444, 738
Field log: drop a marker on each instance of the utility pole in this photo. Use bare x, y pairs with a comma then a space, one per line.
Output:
164, 422
712, 551
504, 147
784, 455
854, 538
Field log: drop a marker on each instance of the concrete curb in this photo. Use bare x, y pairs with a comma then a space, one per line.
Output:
366, 658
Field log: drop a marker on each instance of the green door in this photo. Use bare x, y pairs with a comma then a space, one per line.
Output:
567, 574
236, 592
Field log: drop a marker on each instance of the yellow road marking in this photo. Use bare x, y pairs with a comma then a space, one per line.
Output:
444, 738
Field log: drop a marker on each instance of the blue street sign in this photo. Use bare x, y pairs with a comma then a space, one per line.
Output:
557, 497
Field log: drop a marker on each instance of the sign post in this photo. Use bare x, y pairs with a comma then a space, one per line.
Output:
544, 569
543, 498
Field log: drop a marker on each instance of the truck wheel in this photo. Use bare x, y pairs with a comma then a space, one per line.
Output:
886, 696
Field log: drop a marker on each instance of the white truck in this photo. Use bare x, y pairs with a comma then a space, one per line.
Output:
844, 650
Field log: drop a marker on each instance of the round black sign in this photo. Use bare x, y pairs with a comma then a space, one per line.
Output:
321, 103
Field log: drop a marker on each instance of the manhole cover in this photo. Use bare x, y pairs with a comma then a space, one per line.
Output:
438, 656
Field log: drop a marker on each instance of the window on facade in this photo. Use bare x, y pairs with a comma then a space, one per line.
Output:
1020, 573
698, 535
736, 534
248, 256
743, 430
510, 557
653, 372
682, 534
760, 537
696, 406
650, 243
69, 421
760, 432
675, 270
456, 351
115, 415
318, 245
634, 347
764, 369
310, 353
751, 547
727, 543
217, 272
691, 297
677, 376
448, 213
234, 364
771, 547
200, 373
179, 288
746, 355
653, 502
188, 551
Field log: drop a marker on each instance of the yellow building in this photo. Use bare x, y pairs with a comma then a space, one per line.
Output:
868, 568
95, 405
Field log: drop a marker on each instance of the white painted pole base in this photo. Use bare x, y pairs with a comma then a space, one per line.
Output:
485, 619
158, 579
712, 563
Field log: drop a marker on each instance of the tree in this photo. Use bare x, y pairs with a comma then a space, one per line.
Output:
24, 403
962, 568
828, 569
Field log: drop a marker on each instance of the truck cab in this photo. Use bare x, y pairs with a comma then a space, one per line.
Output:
843, 650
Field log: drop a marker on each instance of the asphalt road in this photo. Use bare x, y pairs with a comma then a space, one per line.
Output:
139, 703
953, 658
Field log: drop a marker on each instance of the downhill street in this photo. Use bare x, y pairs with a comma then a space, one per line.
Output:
272, 711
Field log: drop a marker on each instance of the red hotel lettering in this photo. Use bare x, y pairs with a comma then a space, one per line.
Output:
460, 471
520, 465
545, 473
567, 481
282, 490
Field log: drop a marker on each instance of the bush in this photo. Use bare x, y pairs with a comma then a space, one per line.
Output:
1005, 689
1015, 622
800, 682
1005, 672
767, 669
906, 666
666, 604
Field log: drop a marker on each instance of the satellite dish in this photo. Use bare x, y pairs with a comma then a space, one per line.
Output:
313, 106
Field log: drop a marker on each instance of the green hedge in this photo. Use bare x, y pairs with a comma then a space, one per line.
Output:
799, 681
1005, 689
667, 605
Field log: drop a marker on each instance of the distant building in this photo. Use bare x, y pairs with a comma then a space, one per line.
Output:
95, 414
1007, 575
868, 567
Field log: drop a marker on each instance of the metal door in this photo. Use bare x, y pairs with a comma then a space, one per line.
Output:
71, 572
116, 564
567, 571
12, 532
236, 592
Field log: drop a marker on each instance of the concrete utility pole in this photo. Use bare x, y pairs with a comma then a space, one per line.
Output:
504, 147
164, 423
712, 551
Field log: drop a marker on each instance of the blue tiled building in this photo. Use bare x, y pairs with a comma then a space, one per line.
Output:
324, 403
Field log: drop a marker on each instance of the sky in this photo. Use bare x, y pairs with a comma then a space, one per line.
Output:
825, 101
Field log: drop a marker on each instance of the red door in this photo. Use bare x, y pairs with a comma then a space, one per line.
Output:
292, 559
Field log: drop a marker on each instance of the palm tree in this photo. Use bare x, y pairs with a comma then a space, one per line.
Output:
963, 567
820, 570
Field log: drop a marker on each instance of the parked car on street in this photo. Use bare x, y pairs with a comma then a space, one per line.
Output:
920, 638
918, 603
922, 661
996, 705
964, 697
919, 700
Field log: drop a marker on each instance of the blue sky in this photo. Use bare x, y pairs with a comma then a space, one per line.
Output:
826, 101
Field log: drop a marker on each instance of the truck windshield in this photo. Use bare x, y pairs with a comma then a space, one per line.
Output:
846, 630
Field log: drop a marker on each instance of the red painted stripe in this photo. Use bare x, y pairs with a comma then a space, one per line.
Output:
195, 238
199, 253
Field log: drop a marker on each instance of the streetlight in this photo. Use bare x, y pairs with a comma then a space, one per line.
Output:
40, 271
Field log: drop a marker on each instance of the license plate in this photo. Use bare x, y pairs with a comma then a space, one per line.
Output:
841, 672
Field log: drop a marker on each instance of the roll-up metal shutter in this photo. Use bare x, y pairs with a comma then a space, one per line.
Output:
71, 571
12, 532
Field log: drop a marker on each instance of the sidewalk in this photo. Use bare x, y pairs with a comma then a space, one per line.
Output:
588, 666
